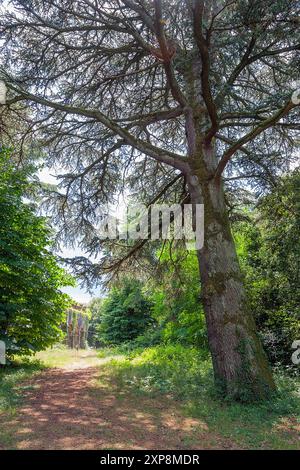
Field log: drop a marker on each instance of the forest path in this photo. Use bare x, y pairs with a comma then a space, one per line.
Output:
76, 406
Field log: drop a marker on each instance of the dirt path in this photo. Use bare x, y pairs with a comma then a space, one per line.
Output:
69, 408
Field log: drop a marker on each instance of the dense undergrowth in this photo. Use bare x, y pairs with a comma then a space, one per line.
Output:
185, 374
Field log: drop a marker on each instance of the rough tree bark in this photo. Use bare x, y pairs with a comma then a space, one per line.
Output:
240, 365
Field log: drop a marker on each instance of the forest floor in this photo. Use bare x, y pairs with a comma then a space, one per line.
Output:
76, 402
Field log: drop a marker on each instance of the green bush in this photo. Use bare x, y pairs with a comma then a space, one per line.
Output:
170, 368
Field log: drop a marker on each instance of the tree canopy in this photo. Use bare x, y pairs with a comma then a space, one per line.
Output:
123, 86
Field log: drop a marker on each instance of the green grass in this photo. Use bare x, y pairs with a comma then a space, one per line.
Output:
111, 351
10, 378
186, 374
58, 356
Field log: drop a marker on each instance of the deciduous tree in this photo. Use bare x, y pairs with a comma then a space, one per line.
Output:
32, 306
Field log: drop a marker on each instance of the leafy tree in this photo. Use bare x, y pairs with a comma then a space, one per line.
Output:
32, 306
269, 249
183, 94
125, 313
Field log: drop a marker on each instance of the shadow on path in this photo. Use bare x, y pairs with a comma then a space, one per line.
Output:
68, 408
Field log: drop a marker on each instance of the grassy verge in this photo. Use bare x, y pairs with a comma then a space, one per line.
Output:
186, 375
11, 377
58, 356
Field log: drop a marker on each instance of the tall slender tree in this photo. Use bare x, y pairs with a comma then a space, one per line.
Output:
188, 93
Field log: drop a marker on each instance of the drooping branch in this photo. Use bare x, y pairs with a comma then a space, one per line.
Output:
117, 263
264, 125
161, 155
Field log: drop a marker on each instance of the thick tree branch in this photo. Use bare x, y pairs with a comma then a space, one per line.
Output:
150, 118
252, 158
265, 124
177, 94
163, 156
167, 57
203, 47
247, 60
238, 69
